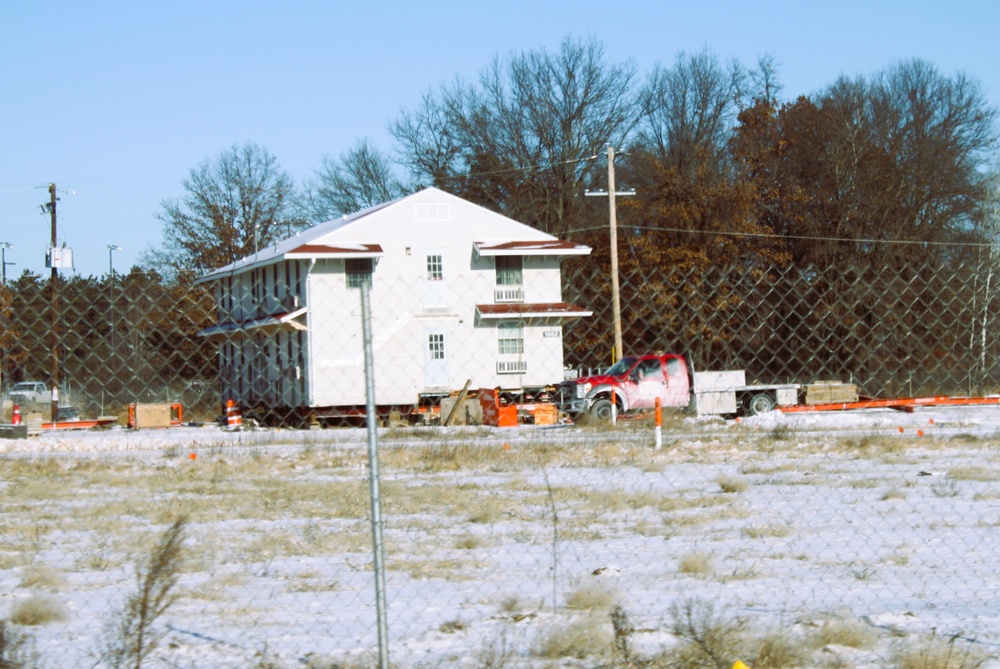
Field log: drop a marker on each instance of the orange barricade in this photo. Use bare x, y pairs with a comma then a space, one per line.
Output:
494, 413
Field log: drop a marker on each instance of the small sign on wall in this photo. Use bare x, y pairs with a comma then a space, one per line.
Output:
552, 334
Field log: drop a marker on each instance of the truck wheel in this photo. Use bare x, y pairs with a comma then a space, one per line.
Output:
601, 411
760, 403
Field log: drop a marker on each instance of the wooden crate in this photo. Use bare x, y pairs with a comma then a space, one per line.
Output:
828, 392
544, 414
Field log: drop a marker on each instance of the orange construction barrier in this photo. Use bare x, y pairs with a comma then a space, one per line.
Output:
494, 413
15, 418
234, 419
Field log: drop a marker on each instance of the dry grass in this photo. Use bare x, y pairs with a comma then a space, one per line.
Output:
471, 542
843, 632
935, 652
593, 597
585, 637
709, 640
732, 484
765, 531
252, 511
41, 576
696, 564
37, 610
972, 474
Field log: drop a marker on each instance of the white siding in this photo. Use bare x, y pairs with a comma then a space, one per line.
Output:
326, 368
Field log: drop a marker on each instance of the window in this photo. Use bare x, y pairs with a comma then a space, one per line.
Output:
649, 370
435, 346
510, 276
509, 271
435, 268
510, 338
358, 270
432, 211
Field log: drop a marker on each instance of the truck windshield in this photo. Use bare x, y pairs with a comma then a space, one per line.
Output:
622, 366
23, 386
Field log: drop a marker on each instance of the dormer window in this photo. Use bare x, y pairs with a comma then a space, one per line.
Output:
510, 279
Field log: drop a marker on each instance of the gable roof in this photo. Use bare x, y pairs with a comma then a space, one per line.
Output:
313, 243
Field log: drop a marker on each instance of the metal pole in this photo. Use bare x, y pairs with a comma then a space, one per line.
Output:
111, 277
3, 263
54, 287
3, 259
373, 481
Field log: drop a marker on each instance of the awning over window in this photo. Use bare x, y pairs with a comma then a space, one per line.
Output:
551, 310
340, 250
541, 247
269, 324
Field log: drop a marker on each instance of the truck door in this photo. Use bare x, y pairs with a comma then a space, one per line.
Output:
677, 391
647, 382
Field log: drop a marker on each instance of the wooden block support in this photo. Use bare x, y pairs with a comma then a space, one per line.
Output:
826, 392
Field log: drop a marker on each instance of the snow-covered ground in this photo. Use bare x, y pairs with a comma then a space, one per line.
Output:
499, 541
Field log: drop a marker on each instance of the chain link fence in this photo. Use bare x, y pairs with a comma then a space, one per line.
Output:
862, 538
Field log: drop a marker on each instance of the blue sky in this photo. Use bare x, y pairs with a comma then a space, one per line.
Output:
115, 102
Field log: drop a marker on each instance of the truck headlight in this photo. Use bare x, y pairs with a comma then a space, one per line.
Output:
582, 390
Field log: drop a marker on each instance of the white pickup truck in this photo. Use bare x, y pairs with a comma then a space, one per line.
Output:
28, 394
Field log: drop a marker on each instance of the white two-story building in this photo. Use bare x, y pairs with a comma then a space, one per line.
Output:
458, 293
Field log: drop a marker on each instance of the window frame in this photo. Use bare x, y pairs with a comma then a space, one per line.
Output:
358, 271
510, 345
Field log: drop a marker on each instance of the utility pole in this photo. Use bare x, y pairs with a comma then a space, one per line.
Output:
3, 259
111, 280
615, 296
55, 306
3, 264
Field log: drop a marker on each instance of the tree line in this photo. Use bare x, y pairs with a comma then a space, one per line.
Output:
818, 193
890, 167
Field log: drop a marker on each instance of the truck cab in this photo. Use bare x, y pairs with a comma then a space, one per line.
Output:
637, 380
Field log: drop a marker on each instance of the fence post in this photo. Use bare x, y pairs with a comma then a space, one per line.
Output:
614, 407
659, 424
373, 481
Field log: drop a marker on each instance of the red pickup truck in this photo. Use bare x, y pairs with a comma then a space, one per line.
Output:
638, 380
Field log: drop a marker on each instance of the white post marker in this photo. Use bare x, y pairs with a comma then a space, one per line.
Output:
659, 425
614, 407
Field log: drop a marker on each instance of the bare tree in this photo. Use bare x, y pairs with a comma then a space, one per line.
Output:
689, 111
427, 145
522, 141
233, 206
942, 134
359, 178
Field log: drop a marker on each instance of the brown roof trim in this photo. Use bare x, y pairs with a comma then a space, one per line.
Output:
535, 247
350, 250
521, 310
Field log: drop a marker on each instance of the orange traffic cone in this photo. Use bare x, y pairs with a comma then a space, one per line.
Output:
15, 418
234, 419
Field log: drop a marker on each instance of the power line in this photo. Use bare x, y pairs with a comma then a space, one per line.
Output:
771, 235
525, 168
